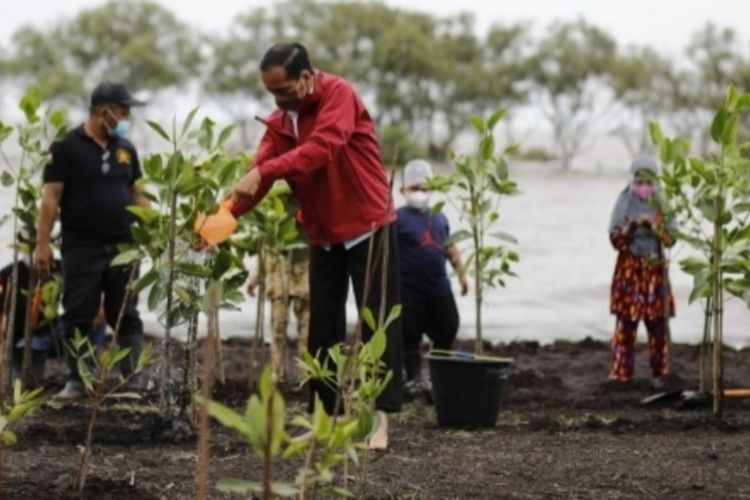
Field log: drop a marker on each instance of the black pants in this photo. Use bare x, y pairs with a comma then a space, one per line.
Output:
437, 317
330, 273
87, 278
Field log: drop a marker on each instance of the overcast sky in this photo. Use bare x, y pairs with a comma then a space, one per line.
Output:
665, 24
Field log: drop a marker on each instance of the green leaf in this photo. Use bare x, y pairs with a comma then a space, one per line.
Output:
7, 179
206, 136
225, 134
378, 343
188, 185
154, 167
191, 269
341, 492
159, 130
59, 118
5, 131
174, 167
665, 150
487, 147
228, 173
125, 395
284, 489
392, 316
657, 136
141, 236
508, 187
701, 286
183, 294
729, 133
501, 169
222, 264
8, 438
118, 354
144, 281
368, 318
156, 295
127, 257
502, 235
743, 103
30, 104
227, 417
85, 373
717, 125
146, 214
693, 265
238, 486
513, 149
478, 123
437, 207
733, 96
188, 121
458, 236
495, 118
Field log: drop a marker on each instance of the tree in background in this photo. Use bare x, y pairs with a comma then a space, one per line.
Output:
714, 61
232, 77
570, 68
139, 43
641, 80
421, 74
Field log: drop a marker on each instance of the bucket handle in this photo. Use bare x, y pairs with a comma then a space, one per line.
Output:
468, 355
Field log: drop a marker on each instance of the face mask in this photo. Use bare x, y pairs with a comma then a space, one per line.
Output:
644, 191
419, 200
120, 130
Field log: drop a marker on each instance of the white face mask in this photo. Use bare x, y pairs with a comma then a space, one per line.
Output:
419, 200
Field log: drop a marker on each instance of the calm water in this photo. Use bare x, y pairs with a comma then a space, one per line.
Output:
561, 222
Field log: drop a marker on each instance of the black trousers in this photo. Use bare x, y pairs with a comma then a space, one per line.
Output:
88, 282
331, 270
436, 317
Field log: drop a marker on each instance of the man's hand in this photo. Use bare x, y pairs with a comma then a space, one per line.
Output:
251, 286
247, 186
43, 259
464, 284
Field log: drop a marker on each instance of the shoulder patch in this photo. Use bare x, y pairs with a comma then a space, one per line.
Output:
48, 158
123, 156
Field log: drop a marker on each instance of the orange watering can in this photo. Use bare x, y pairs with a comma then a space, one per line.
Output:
218, 227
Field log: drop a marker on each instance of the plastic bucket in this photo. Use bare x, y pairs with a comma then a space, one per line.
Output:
467, 389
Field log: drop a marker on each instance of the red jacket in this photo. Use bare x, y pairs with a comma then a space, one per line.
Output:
334, 169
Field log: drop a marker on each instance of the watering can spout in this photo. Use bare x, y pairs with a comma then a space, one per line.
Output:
218, 227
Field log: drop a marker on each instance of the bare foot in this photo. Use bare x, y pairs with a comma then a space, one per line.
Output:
379, 439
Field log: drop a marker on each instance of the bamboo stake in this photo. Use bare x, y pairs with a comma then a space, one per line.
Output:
204, 429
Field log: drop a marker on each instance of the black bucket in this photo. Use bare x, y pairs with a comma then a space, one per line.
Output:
467, 389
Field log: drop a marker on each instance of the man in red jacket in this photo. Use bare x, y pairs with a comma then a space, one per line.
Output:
322, 141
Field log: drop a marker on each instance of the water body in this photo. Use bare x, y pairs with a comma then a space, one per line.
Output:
562, 291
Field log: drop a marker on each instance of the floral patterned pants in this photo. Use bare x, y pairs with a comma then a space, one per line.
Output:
623, 348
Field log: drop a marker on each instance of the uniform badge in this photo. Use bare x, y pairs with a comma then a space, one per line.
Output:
123, 156
48, 158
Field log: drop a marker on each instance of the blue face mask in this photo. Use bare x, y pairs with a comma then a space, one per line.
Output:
120, 130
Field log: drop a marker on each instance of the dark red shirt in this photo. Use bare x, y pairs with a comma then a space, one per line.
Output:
334, 168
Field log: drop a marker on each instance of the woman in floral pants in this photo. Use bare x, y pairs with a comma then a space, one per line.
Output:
640, 286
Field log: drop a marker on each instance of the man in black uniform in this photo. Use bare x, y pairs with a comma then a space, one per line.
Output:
90, 176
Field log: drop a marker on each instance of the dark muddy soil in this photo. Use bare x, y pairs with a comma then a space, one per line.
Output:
564, 432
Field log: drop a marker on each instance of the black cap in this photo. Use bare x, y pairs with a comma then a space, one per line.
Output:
114, 93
